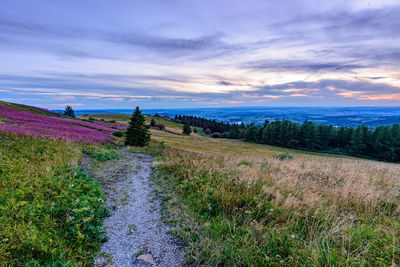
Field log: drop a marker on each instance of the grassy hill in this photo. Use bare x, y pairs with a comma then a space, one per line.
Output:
237, 203
30, 109
232, 203
51, 211
123, 118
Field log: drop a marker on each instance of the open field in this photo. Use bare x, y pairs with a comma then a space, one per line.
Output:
239, 205
123, 118
232, 203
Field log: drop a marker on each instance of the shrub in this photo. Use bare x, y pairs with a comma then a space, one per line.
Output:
215, 135
162, 145
161, 126
186, 129
225, 135
119, 133
283, 156
101, 154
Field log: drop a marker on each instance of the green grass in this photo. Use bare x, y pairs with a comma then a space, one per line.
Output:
123, 118
101, 154
50, 211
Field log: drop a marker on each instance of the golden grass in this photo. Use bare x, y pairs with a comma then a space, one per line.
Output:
307, 180
243, 206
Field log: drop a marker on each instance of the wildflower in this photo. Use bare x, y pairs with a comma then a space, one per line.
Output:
271, 209
293, 236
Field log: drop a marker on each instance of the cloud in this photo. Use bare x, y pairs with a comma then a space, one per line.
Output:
301, 65
177, 53
64, 98
67, 104
361, 90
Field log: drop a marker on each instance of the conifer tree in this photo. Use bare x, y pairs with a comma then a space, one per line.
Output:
69, 111
153, 122
137, 133
186, 129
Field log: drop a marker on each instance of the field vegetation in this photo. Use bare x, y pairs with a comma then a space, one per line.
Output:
51, 211
238, 203
382, 143
233, 203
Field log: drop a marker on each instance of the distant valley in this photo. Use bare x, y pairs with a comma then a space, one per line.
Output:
337, 116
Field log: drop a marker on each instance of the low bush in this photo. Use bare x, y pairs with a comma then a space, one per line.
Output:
101, 154
160, 126
283, 156
215, 135
162, 145
119, 133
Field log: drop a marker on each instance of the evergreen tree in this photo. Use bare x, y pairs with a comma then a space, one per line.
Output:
186, 129
234, 132
358, 144
152, 122
252, 134
308, 132
137, 133
395, 142
69, 111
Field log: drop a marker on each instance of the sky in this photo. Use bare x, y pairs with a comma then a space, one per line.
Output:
97, 54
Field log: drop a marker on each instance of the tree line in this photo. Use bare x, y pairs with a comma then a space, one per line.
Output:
213, 126
382, 143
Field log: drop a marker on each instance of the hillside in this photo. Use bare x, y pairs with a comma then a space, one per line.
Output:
238, 203
232, 203
30, 109
23, 119
51, 210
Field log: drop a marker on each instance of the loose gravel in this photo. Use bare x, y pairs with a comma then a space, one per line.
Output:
137, 236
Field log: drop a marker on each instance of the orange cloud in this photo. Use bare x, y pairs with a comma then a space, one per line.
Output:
380, 97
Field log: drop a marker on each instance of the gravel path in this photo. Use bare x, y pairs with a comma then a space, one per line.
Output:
137, 236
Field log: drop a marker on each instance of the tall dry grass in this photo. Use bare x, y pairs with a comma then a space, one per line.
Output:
315, 209
308, 180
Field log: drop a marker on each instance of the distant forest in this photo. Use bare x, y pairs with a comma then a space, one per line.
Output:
381, 143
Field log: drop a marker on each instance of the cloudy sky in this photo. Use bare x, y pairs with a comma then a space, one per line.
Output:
178, 53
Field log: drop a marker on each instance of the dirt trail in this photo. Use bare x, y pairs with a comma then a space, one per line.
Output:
137, 236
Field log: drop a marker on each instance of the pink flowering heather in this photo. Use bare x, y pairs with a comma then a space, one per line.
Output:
68, 129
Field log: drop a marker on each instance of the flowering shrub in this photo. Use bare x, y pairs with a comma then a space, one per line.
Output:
68, 129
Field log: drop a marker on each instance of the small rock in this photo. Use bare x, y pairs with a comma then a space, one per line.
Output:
146, 258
